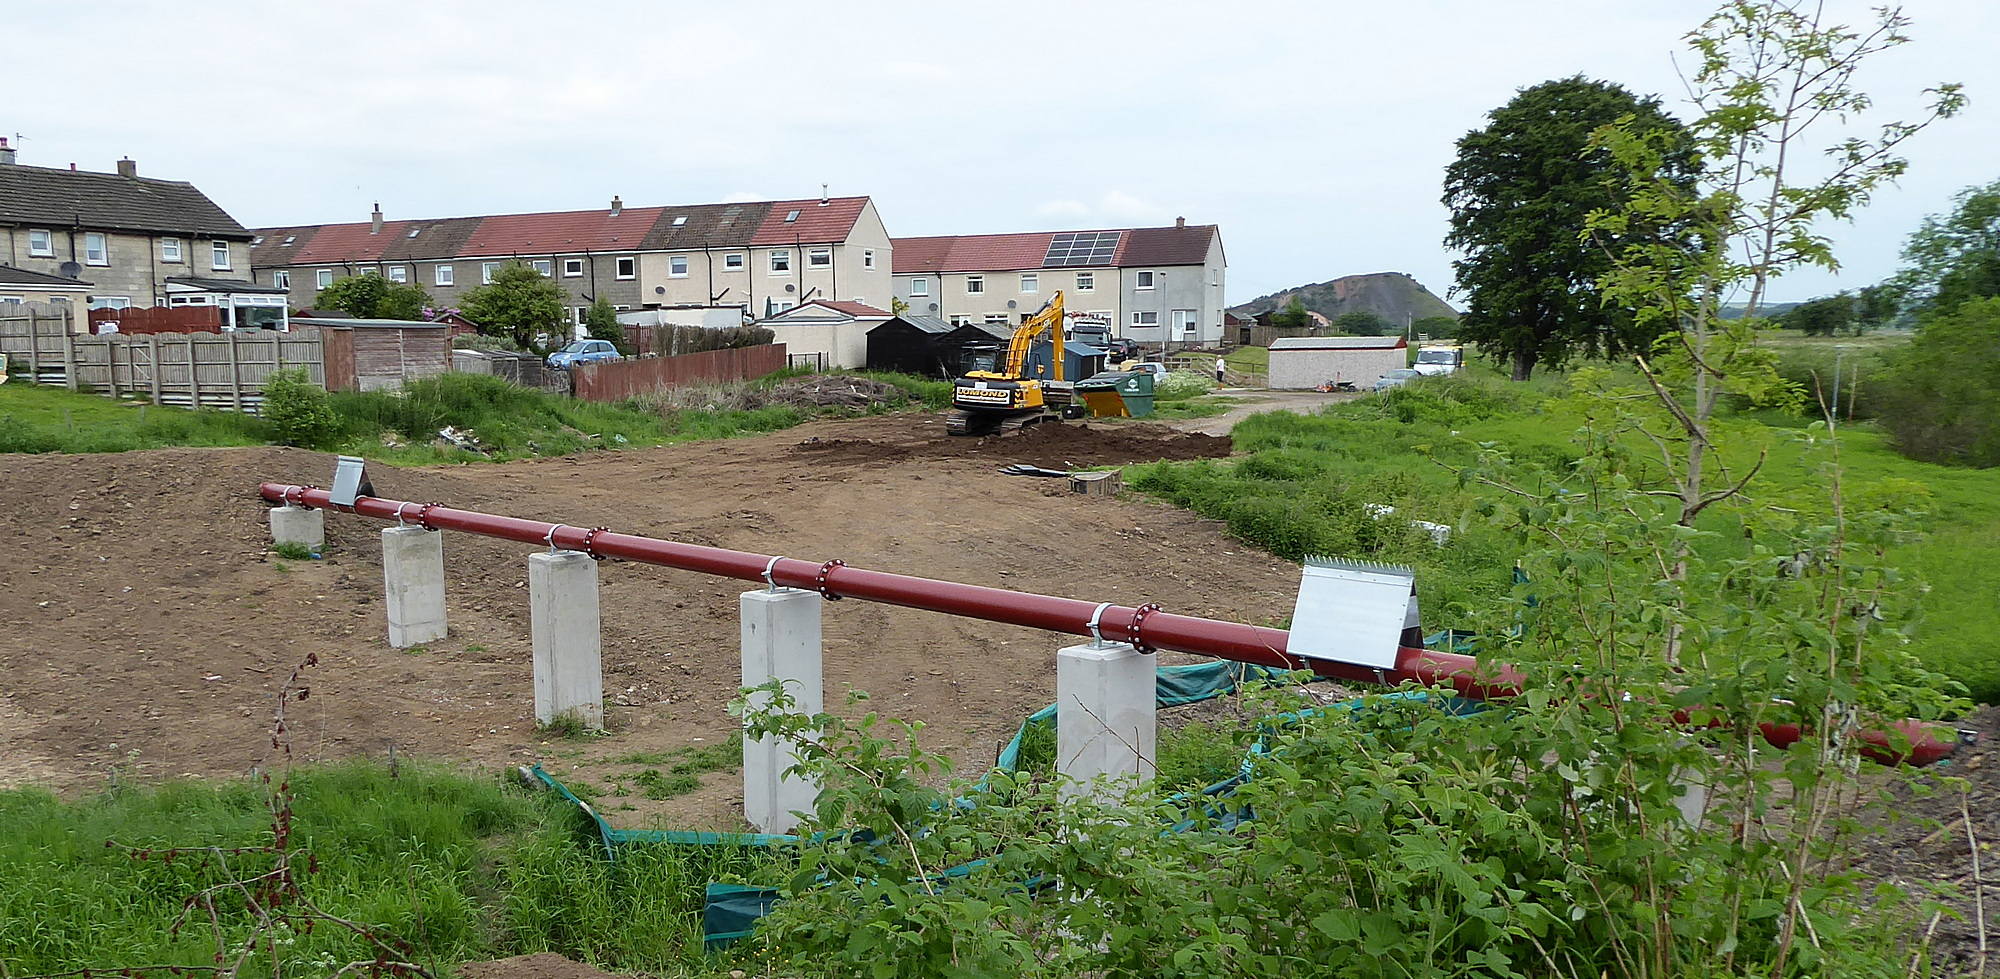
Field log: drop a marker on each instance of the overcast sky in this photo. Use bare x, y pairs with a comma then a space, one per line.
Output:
1314, 133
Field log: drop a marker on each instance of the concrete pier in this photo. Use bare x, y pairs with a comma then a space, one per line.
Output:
413, 581
1106, 726
299, 525
569, 652
781, 640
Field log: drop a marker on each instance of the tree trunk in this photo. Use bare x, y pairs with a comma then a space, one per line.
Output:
1524, 364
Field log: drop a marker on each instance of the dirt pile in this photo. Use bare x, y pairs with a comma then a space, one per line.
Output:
1072, 445
833, 391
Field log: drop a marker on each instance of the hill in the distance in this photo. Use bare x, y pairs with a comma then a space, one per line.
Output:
1390, 295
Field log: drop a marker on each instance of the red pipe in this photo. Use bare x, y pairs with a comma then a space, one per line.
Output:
1145, 626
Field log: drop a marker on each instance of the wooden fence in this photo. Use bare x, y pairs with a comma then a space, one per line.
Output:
620, 379
207, 370
159, 319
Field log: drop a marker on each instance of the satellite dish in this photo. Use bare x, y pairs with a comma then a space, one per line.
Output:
69, 270
659, 290
934, 307
1011, 304
791, 288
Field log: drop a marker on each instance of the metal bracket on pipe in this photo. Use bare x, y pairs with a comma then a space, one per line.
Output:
349, 475
551, 538
1097, 616
770, 583
400, 525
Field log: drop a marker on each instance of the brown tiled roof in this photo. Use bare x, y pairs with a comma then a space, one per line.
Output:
564, 232
9, 275
850, 308
83, 199
1177, 245
1185, 245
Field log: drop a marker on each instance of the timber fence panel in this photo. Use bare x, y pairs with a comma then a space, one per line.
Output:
187, 369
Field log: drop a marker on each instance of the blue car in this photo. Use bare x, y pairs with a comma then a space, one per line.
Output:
583, 352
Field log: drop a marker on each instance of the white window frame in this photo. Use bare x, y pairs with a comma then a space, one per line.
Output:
442, 275
920, 286
734, 262
486, 270
581, 313
399, 273
975, 285
170, 250
996, 319
219, 248
1139, 319
542, 267
324, 277
1145, 279
281, 279
1187, 320
1086, 282
819, 258
1031, 282
627, 267
677, 266
111, 302
12, 299
48, 246
868, 258
781, 261
102, 250
572, 267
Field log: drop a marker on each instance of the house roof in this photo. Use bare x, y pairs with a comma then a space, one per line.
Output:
822, 307
1338, 343
928, 324
222, 285
667, 228
1176, 245
12, 276
850, 308
366, 324
84, 199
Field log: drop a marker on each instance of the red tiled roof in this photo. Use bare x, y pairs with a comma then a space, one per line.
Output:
850, 308
1178, 245
562, 231
817, 223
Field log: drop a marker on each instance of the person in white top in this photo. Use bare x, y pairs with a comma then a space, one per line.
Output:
1218, 370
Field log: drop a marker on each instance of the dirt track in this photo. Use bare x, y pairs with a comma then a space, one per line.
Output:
146, 626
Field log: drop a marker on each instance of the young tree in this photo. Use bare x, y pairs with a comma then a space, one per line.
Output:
370, 296
1954, 257
601, 323
1436, 326
519, 304
1518, 191
1292, 317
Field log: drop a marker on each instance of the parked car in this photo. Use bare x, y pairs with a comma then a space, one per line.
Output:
583, 352
1396, 379
1121, 349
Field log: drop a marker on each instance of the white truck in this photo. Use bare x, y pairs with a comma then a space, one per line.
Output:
1434, 359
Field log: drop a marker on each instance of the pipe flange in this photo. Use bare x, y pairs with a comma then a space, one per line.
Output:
1138, 622
819, 583
590, 542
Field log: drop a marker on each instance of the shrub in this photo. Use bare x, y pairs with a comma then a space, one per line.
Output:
299, 411
1182, 385
1940, 399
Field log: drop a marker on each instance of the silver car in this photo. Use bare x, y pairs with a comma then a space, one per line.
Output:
1396, 379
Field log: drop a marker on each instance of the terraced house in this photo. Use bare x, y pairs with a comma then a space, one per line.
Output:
1149, 284
115, 240
761, 256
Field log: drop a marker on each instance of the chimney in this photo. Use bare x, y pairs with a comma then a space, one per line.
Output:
822, 195
375, 220
6, 153
617, 205
127, 168
1180, 222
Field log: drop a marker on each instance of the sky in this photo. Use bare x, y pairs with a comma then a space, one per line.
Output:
1314, 134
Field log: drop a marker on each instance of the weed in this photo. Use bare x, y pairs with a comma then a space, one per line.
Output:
292, 550
568, 726
655, 785
475, 648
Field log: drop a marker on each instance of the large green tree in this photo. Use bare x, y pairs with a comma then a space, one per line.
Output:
1823, 317
1364, 323
370, 296
1519, 193
1940, 399
520, 303
1954, 257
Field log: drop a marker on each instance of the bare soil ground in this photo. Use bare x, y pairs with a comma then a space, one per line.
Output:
146, 626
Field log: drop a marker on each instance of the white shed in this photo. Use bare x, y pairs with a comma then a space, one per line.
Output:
1303, 363
833, 334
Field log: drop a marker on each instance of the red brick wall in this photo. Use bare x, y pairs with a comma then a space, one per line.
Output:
618, 380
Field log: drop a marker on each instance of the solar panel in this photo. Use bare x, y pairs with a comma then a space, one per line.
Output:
1080, 248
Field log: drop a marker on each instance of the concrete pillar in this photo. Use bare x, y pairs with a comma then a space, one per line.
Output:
299, 525
781, 640
413, 580
1106, 722
569, 653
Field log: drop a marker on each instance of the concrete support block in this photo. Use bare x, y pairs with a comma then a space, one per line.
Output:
299, 525
1107, 727
781, 640
413, 580
569, 652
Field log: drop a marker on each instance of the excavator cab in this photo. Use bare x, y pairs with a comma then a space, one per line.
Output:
998, 394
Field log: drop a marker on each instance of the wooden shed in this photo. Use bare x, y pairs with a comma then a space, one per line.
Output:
379, 355
908, 344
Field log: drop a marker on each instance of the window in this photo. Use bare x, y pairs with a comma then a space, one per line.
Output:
996, 319
791, 216
1150, 318
11, 299
96, 252
486, 270
628, 268
868, 258
1031, 282
288, 240
1086, 281
258, 240
680, 219
572, 267
41, 243
542, 266
677, 266
975, 284
218, 255
1184, 321
282, 279
325, 278
170, 249
920, 287
581, 313
110, 302
399, 273
781, 261
1145, 280
819, 258
412, 234
442, 275
961, 320
732, 261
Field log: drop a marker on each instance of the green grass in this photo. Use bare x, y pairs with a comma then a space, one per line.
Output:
462, 867
292, 550
34, 418
1255, 360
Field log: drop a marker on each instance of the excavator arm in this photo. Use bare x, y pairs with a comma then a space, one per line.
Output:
1050, 321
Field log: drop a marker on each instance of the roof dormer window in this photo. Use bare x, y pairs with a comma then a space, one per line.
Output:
413, 232
680, 219
791, 216
288, 240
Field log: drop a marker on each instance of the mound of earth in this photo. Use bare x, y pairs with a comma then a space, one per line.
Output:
546, 965
833, 391
1071, 445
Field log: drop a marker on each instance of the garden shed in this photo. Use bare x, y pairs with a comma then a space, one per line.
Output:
910, 344
379, 355
1303, 363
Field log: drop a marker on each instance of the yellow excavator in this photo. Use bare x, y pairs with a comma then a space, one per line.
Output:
1000, 395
